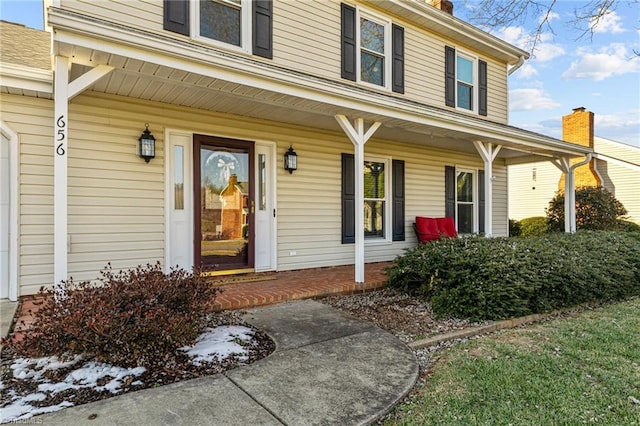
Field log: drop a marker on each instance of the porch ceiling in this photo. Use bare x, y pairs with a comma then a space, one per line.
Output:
425, 125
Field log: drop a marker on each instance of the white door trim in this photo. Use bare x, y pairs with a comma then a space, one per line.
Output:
14, 219
271, 149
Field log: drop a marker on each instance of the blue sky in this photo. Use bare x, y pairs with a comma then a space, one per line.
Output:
600, 73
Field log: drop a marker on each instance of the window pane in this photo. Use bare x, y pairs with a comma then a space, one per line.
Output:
220, 22
465, 218
465, 96
372, 69
373, 219
178, 158
371, 36
465, 187
373, 180
464, 70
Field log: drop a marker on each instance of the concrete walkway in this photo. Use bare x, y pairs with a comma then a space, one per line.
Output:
328, 369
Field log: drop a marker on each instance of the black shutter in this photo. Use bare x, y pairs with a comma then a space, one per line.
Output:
450, 192
397, 68
263, 28
482, 87
481, 191
348, 200
397, 177
348, 36
450, 76
176, 16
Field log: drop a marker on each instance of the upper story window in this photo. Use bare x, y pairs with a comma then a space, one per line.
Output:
235, 24
372, 49
225, 21
465, 81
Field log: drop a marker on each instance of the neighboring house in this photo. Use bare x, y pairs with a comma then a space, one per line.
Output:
614, 166
226, 89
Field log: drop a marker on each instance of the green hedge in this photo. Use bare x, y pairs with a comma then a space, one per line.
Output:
494, 278
536, 225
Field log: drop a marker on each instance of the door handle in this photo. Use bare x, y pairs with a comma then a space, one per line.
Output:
253, 206
274, 212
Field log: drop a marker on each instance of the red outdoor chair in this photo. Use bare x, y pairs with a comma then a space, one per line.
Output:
426, 229
447, 227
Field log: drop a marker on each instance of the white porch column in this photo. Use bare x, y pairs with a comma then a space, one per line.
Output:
358, 137
63, 93
564, 164
488, 153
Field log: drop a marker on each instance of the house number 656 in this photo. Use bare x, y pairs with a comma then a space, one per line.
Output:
61, 135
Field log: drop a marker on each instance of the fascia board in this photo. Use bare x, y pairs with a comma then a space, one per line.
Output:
463, 30
26, 78
119, 40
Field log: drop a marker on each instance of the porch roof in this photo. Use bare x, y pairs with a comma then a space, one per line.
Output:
163, 69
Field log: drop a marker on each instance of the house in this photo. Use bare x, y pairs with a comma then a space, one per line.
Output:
120, 150
614, 166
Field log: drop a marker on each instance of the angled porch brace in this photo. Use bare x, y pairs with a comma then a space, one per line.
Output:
358, 136
564, 164
64, 91
488, 153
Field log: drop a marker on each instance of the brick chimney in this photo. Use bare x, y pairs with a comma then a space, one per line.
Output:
444, 5
577, 128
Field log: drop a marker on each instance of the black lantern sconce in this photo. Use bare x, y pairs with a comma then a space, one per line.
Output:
290, 160
147, 145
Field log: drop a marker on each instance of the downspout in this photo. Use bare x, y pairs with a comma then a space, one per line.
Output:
516, 66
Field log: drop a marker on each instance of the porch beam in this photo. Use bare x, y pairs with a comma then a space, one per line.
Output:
488, 153
81, 83
359, 137
564, 164
64, 91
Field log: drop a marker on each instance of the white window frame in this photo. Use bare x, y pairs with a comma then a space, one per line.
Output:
475, 203
475, 91
386, 238
245, 27
386, 23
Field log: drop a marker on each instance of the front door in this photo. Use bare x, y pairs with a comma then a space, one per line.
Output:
224, 204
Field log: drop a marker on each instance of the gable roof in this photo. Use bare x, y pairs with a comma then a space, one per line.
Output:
25, 46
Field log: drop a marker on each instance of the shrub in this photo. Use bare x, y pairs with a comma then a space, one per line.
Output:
129, 319
596, 209
495, 278
536, 225
514, 228
627, 226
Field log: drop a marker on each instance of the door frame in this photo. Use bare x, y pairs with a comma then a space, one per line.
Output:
272, 169
10, 289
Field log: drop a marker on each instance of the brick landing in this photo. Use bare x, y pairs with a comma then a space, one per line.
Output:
279, 287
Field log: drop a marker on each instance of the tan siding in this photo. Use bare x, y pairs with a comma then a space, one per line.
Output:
528, 198
306, 38
116, 201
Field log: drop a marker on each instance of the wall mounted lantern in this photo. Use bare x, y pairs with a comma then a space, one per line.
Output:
290, 160
147, 145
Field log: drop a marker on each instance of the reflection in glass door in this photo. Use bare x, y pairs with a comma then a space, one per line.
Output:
224, 203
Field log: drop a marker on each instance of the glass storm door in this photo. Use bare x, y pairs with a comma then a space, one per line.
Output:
224, 206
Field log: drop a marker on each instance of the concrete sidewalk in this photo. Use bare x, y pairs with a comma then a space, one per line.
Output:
328, 369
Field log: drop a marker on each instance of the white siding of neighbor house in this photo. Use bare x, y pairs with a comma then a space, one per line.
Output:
528, 198
622, 181
306, 38
116, 200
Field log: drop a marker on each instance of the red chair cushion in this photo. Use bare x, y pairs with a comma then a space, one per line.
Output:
447, 227
427, 229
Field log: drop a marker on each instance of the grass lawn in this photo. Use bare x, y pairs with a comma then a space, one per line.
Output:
584, 369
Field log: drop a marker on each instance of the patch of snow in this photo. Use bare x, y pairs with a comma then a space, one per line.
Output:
220, 343
88, 376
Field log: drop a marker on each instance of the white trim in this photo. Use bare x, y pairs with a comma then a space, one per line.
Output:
617, 162
246, 29
385, 22
488, 152
81, 83
475, 203
14, 218
119, 40
388, 222
26, 78
475, 85
60, 160
272, 192
358, 137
